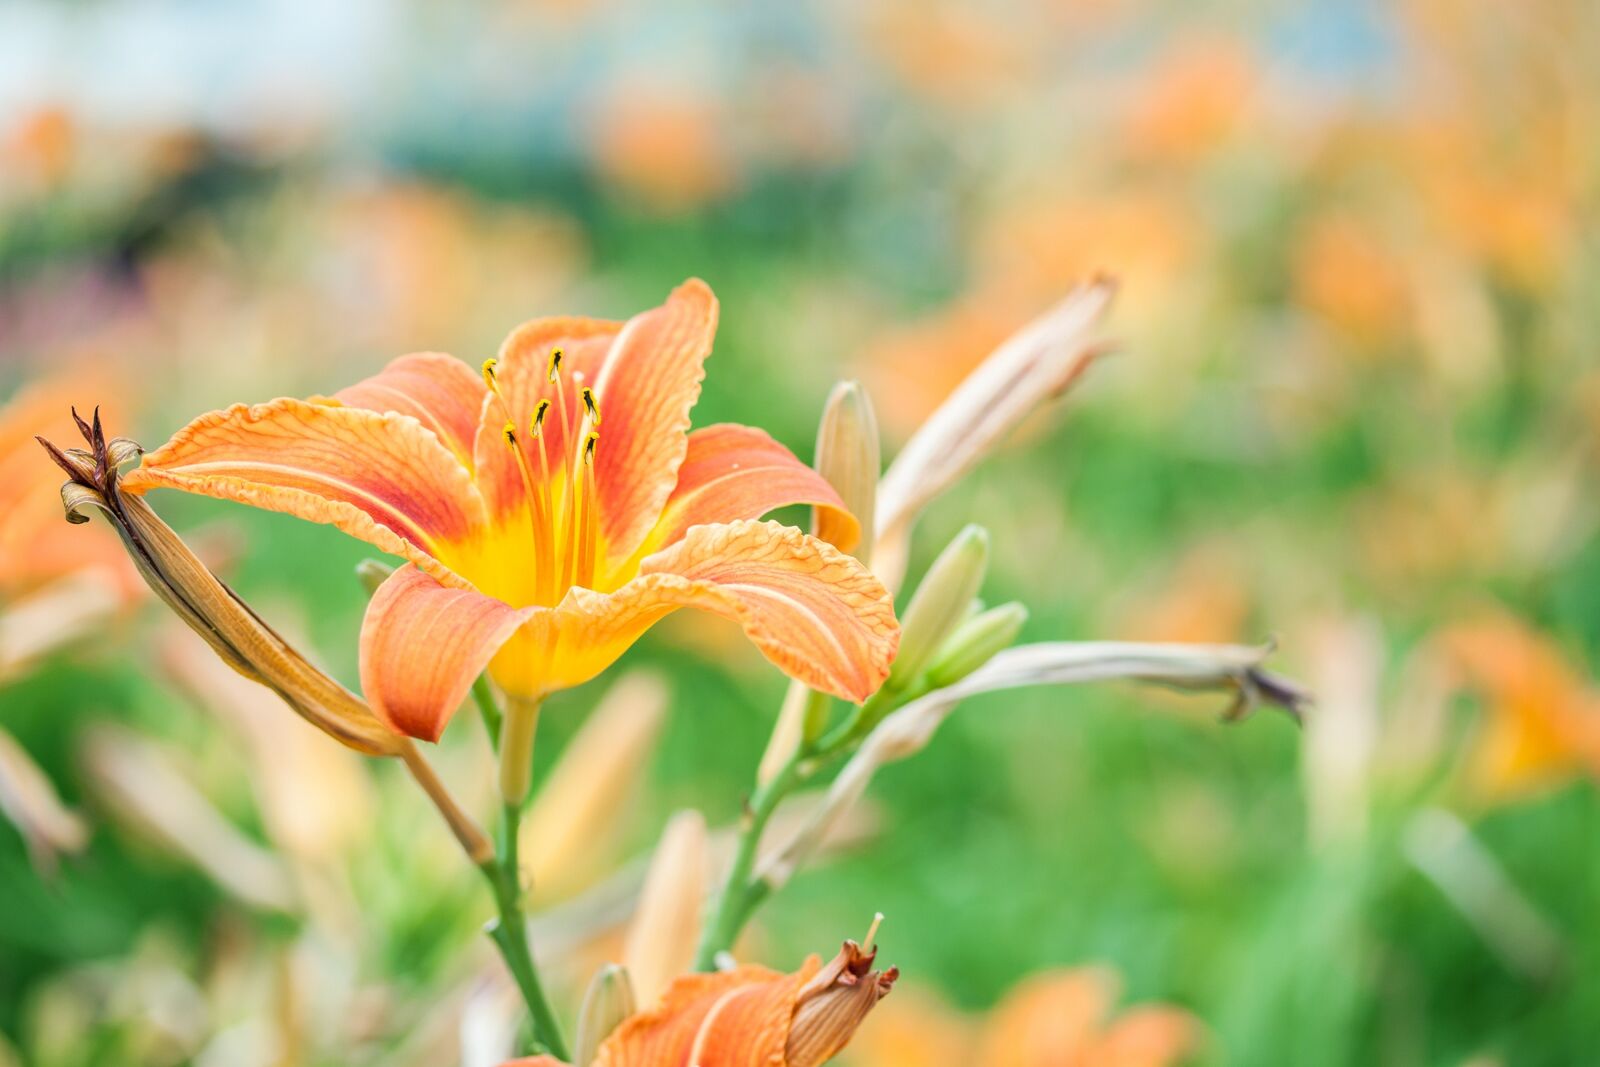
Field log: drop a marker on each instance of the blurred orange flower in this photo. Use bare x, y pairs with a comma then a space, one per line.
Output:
33, 554
1056, 1019
957, 54
551, 512
1541, 725
1345, 270
1190, 100
666, 148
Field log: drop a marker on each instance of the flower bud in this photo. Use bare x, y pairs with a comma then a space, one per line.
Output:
940, 603
975, 642
210, 608
666, 925
1031, 368
607, 1003
848, 457
833, 1004
371, 573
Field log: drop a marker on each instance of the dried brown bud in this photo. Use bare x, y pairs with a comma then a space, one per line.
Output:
210, 608
833, 1004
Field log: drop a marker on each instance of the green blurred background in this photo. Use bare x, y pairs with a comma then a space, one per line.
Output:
1354, 407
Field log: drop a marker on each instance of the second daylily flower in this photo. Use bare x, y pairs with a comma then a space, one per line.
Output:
551, 510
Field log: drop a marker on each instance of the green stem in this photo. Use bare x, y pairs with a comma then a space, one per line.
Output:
513, 737
509, 932
483, 696
738, 895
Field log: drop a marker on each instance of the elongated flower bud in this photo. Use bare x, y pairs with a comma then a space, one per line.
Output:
371, 574
210, 608
848, 455
660, 943
940, 603
975, 642
1035, 365
607, 1003
833, 1004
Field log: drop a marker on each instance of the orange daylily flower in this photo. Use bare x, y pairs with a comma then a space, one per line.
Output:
749, 1015
551, 510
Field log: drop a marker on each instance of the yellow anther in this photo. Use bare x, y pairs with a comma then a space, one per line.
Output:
510, 432
589, 445
591, 404
538, 417
490, 378
554, 370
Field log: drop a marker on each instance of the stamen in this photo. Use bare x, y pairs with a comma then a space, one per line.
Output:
589, 515
543, 564
491, 379
545, 545
591, 405
570, 491
872, 932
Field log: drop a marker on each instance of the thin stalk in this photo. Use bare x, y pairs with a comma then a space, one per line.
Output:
735, 900
474, 842
509, 932
741, 894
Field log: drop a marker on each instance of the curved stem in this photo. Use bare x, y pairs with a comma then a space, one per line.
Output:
740, 893
474, 842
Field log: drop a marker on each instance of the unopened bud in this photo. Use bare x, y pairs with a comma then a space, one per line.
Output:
372, 573
848, 457
666, 925
975, 642
940, 603
833, 1004
607, 1003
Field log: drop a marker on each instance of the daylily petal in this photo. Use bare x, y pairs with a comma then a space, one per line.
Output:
733, 472
523, 365
713, 1020
816, 613
439, 391
647, 387
422, 644
380, 477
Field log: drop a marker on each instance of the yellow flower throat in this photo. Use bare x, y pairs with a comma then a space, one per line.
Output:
562, 511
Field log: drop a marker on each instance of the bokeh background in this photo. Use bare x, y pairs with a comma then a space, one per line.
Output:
1355, 407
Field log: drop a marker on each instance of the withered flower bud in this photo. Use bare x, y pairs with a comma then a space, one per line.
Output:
832, 1005
200, 599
